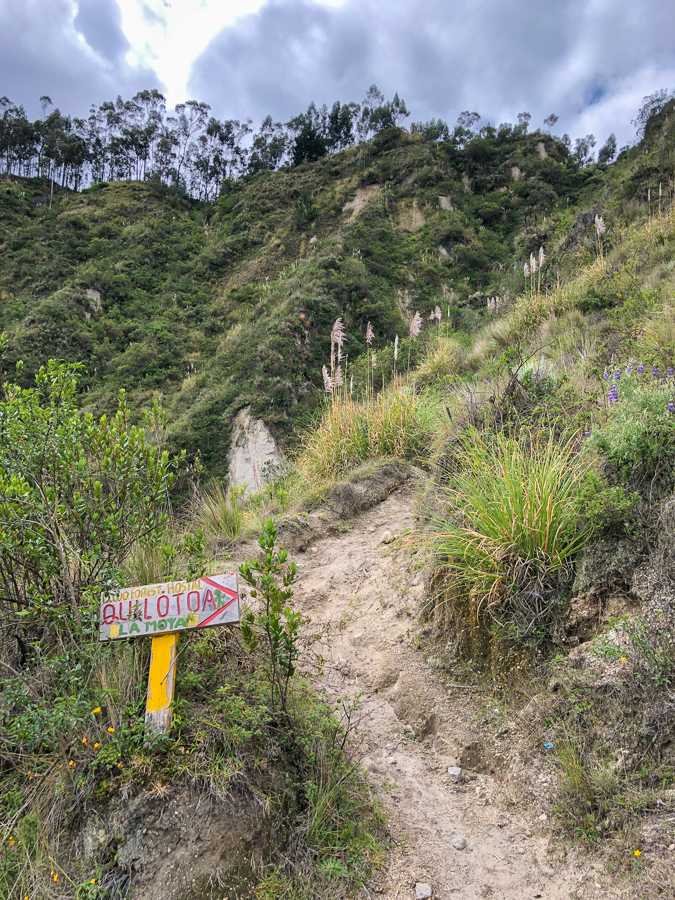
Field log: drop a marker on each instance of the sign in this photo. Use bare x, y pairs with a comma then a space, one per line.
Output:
160, 611
155, 609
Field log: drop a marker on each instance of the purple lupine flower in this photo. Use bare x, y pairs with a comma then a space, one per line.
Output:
629, 368
640, 369
606, 376
671, 406
670, 372
655, 372
617, 375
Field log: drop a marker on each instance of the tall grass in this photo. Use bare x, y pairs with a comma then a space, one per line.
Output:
510, 521
446, 355
220, 513
395, 423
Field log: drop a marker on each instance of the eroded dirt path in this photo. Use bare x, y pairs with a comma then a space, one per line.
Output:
411, 728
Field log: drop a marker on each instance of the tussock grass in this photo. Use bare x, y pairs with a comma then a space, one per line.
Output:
447, 355
396, 423
510, 520
220, 512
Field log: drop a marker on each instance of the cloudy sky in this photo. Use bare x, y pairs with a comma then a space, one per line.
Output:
590, 62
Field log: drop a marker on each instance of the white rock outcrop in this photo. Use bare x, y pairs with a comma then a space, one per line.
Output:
252, 451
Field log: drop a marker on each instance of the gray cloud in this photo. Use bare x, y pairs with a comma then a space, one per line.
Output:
591, 63
100, 23
48, 47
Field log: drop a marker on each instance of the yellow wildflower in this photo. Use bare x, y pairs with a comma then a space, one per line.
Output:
637, 852
84, 740
623, 659
111, 730
97, 710
93, 881
71, 763
11, 842
96, 746
56, 876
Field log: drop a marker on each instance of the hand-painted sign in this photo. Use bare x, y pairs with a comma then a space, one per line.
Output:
171, 606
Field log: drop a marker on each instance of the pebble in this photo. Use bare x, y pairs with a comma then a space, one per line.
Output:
387, 537
454, 772
422, 891
390, 747
459, 843
528, 833
520, 850
543, 817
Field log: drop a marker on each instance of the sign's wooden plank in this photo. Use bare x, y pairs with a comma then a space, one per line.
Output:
169, 606
161, 682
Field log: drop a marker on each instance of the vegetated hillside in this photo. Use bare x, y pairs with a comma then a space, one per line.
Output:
216, 306
546, 424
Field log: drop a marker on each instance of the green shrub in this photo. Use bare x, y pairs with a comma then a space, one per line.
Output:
508, 533
604, 508
305, 209
638, 436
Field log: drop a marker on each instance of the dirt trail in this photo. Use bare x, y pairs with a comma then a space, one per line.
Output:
412, 728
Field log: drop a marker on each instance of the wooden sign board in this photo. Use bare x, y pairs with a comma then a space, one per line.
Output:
153, 609
160, 611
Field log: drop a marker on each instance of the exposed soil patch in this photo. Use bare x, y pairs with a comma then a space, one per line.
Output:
363, 195
366, 587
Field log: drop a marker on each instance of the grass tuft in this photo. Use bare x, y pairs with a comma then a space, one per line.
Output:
396, 423
508, 532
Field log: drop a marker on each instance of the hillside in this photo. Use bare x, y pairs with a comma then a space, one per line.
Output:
219, 305
478, 660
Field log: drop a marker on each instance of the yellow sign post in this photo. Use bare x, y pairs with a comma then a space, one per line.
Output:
161, 611
161, 681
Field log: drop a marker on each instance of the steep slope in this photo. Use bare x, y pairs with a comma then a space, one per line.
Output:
216, 306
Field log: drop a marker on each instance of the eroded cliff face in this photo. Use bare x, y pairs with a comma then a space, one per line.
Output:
253, 452
181, 843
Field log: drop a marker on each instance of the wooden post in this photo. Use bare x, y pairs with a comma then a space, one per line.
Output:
161, 681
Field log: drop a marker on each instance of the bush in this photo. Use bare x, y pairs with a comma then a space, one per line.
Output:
305, 209
508, 532
638, 437
604, 508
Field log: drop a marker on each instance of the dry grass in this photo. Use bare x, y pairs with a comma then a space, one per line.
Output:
396, 423
446, 356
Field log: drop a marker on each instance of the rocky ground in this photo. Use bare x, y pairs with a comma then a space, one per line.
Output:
484, 831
